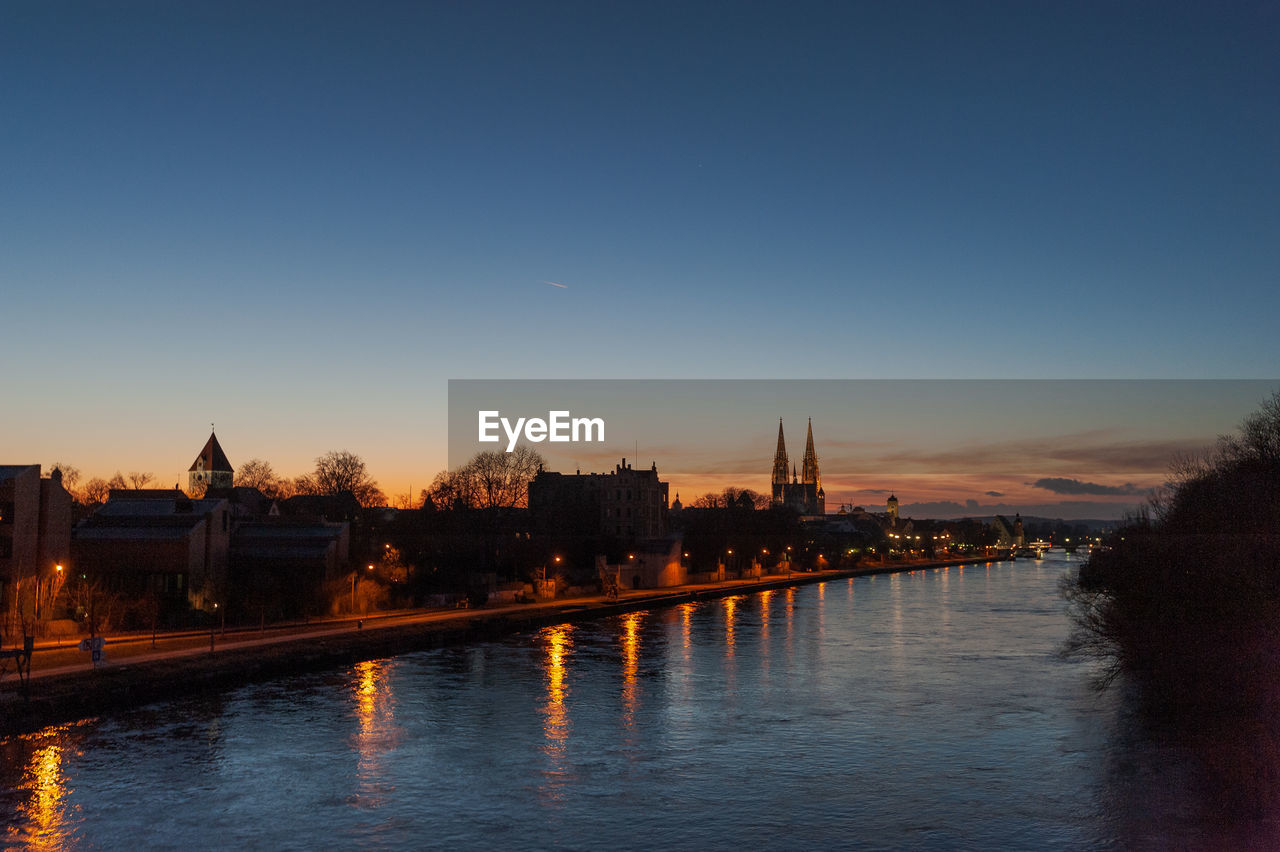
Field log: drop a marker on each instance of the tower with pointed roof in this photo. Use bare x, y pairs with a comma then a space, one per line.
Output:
809, 472
211, 468
802, 490
780, 479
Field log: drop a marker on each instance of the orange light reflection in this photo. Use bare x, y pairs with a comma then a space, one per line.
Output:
48, 827
630, 665
730, 604
376, 716
556, 715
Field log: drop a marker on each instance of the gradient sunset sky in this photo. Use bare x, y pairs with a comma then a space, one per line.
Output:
299, 220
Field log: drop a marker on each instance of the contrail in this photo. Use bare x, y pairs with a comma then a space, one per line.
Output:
554, 284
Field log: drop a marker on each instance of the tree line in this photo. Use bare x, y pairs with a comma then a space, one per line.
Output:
335, 472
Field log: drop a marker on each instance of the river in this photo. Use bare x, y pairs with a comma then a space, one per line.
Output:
917, 710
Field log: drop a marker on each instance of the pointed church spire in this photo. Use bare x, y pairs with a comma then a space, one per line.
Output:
810, 466
780, 460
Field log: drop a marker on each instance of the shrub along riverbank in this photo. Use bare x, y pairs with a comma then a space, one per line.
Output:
1184, 601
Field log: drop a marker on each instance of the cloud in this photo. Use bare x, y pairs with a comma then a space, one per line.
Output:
554, 284
1068, 509
1095, 450
1061, 485
994, 493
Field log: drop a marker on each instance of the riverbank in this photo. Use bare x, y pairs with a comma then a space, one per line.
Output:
68, 696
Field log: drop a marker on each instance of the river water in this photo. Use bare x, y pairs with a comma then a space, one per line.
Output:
917, 710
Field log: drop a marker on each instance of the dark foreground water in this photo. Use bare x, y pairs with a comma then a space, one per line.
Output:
921, 710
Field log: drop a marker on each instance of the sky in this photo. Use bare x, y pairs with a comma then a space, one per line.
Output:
300, 220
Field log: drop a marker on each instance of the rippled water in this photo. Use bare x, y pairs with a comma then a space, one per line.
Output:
921, 710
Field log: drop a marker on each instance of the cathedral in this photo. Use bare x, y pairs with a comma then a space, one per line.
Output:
804, 492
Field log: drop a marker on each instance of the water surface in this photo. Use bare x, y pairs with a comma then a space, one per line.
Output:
922, 710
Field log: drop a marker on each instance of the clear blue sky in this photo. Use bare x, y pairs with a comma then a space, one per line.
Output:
300, 219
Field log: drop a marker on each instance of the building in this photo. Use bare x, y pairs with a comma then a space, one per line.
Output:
35, 538
628, 503
654, 564
158, 542
1009, 534
210, 469
279, 565
802, 492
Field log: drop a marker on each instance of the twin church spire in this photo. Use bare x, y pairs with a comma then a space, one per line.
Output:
805, 493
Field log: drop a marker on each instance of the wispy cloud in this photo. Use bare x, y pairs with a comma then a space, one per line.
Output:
994, 493
1068, 509
1062, 485
1083, 451
554, 284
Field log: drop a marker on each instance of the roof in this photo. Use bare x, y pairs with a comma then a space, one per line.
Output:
146, 494
124, 512
288, 532
11, 471
212, 456
139, 533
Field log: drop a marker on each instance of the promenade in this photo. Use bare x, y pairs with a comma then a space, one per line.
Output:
140, 669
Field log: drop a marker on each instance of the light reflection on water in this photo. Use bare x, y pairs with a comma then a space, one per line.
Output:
556, 723
49, 789
925, 709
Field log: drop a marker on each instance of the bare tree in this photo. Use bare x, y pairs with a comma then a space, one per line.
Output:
117, 481
140, 480
489, 480
95, 492
499, 478
304, 484
256, 473
70, 477
745, 497
340, 471
449, 490
1259, 438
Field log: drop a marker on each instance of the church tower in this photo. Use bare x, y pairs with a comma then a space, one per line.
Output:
814, 498
780, 481
211, 468
809, 472
800, 490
